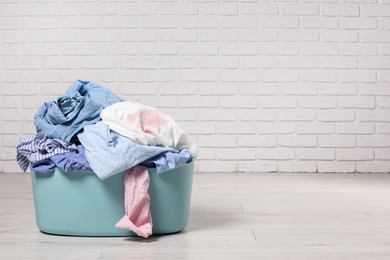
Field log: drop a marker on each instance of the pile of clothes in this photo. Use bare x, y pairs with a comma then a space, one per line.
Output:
91, 129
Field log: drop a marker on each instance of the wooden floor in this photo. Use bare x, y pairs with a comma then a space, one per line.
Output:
233, 216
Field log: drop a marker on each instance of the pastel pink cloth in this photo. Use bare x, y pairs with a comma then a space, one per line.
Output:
137, 202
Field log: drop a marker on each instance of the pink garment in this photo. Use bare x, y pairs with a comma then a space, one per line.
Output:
137, 201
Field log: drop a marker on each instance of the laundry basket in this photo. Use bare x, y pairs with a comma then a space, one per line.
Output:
80, 204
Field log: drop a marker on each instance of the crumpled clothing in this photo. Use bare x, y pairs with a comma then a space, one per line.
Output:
69, 161
137, 202
146, 125
34, 149
110, 153
168, 161
67, 115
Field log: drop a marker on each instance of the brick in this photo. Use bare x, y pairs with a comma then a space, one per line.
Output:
116, 22
296, 114
258, 35
355, 154
218, 35
79, 49
291, 35
83, 22
323, 49
256, 89
358, 23
355, 128
41, 49
297, 166
279, 75
339, 35
178, 35
375, 10
59, 9
317, 102
60, 63
215, 166
276, 128
373, 166
20, 89
15, 36
217, 141
41, 23
319, 22
118, 48
383, 102
218, 8
297, 141
204, 128
334, 167
238, 102
316, 154
339, 115
281, 48
236, 128
222, 62
159, 22
177, 88
358, 49
339, 89
215, 115
206, 154
258, 62
339, 62
159, 102
357, 76
373, 90
19, 10
20, 63
172, 62
314, 75
298, 62
38, 76
316, 128
198, 75
382, 128
383, 76
98, 9
303, 89
373, 141
218, 89
236, 154
382, 154
378, 115
10, 23
198, 102
178, 8
201, 22
9, 49
256, 115
60, 36
279, 22
238, 48
384, 23
158, 75
242, 21
374, 36
138, 8
278, 102
259, 8
198, 48
345, 141
99, 62
299, 9
117, 75
157, 48
257, 166
229, 75
70, 75
138, 36
339, 10
135, 89
257, 141
356, 102
374, 63
275, 153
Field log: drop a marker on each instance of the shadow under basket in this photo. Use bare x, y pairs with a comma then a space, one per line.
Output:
80, 204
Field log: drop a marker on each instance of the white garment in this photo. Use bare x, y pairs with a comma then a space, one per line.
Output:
146, 125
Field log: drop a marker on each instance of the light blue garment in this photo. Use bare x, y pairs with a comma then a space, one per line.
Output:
109, 153
81, 106
168, 160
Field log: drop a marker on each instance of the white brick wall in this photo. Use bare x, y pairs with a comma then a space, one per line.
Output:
276, 86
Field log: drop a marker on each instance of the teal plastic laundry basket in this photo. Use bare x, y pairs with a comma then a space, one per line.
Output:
80, 204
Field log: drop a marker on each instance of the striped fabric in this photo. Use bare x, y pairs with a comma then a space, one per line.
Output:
37, 148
